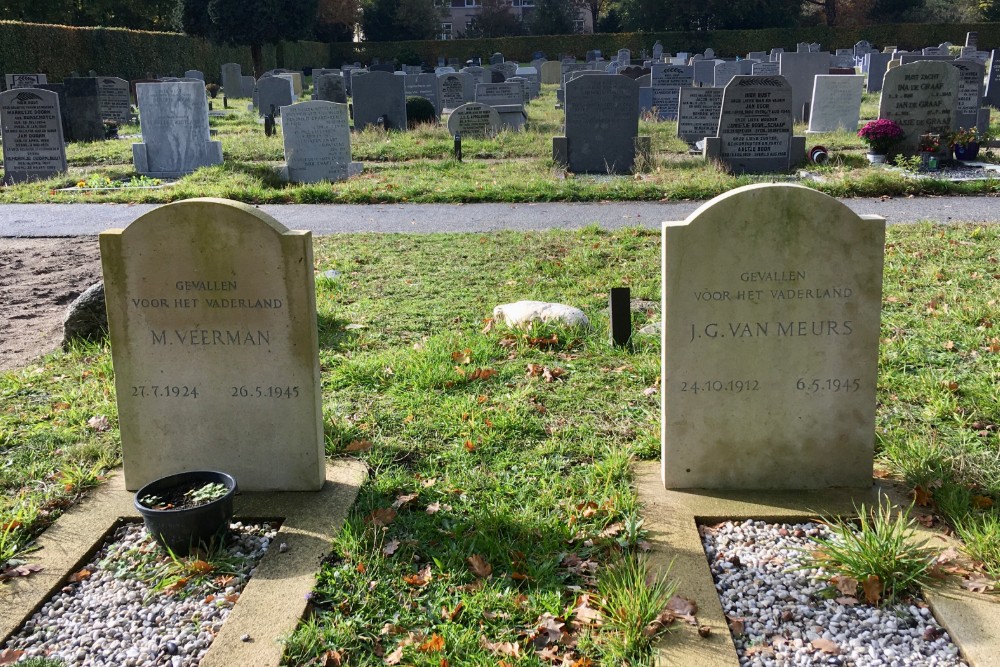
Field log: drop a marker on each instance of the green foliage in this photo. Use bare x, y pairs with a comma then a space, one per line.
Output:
385, 20
419, 110
631, 599
881, 546
553, 17
137, 14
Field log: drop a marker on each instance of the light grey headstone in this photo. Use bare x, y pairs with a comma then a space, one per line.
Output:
454, 90
317, 139
509, 68
412, 70
624, 57
775, 54
249, 86
755, 127
212, 311
534, 79
993, 80
444, 70
474, 119
500, 94
657, 51
31, 125
479, 74
24, 80
698, 113
724, 72
765, 68
709, 54
379, 94
232, 79
759, 56
176, 141
116, 103
800, 70
704, 72
921, 97
666, 82
907, 58
194, 74
861, 48
876, 65
836, 103
770, 347
83, 109
970, 92
330, 88
602, 124
274, 91
422, 85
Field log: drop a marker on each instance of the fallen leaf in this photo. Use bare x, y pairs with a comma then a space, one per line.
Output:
332, 658
584, 614
421, 578
500, 648
434, 644
587, 509
549, 629
683, 607
452, 614
922, 496
982, 502
583, 662
873, 589
381, 517
736, 625
408, 418
201, 567
482, 374
433, 508
362, 568
612, 529
79, 575
394, 657
359, 445
826, 645
404, 500
489, 325
19, 571
99, 423
553, 374
470, 446
978, 584
846, 585
479, 566
534, 370
10, 656
390, 547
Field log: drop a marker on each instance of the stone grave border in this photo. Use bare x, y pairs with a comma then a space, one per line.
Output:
130, 187
275, 598
672, 518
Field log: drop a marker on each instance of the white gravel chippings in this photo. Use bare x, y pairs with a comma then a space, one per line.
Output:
111, 618
755, 566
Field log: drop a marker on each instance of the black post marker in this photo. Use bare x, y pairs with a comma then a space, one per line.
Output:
458, 146
225, 102
619, 305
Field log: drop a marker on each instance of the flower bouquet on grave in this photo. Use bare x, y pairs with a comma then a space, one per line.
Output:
880, 135
929, 147
965, 143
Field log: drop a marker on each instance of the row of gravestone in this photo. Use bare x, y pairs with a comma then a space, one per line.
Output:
771, 333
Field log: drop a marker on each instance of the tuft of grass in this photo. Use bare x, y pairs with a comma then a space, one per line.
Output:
980, 535
880, 553
631, 599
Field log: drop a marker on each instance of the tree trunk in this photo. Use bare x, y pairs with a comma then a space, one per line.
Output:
831, 12
257, 55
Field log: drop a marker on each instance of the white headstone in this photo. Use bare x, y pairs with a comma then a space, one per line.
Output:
836, 103
317, 139
173, 118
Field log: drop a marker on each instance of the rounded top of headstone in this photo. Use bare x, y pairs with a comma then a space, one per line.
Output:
474, 119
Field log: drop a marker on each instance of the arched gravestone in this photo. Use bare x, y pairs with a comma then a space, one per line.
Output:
474, 119
773, 298
212, 312
32, 131
921, 97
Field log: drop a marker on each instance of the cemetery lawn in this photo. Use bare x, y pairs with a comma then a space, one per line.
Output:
418, 166
501, 485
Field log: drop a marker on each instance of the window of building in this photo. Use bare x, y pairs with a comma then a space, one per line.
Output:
445, 31
578, 25
472, 3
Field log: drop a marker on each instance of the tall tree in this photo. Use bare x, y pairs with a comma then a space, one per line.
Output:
336, 20
494, 20
391, 20
553, 17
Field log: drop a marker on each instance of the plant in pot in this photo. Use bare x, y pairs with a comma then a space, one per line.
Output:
929, 145
187, 510
880, 135
964, 142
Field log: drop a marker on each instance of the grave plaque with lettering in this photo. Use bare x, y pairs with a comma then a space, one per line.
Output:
921, 98
474, 119
32, 131
317, 138
698, 114
666, 82
774, 295
970, 92
115, 101
24, 80
836, 103
212, 312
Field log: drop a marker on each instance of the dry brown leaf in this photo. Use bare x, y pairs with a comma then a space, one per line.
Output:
488, 325
390, 547
482, 374
736, 625
826, 645
584, 614
470, 446
549, 629
462, 356
847, 601
10, 656
332, 658
79, 575
583, 662
978, 584
846, 585
404, 499
99, 423
19, 571
873, 589
435, 644
612, 529
421, 578
501, 648
704, 631
394, 657
479, 566
587, 509
982, 502
553, 374
381, 517
452, 614
359, 445
433, 508
922, 496
683, 607
362, 568
534, 370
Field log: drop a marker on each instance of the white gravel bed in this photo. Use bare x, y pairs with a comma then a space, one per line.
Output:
787, 622
109, 617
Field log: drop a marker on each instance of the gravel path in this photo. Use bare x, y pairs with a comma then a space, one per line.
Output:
787, 623
109, 618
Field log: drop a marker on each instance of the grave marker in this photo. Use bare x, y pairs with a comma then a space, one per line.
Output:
317, 140
176, 141
602, 125
836, 103
24, 80
666, 82
31, 125
83, 109
698, 113
773, 294
273, 91
474, 120
331, 88
921, 98
212, 312
115, 101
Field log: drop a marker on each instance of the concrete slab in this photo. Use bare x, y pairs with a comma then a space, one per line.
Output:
672, 518
274, 599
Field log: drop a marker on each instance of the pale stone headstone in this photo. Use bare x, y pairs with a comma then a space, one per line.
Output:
551, 72
116, 103
666, 82
774, 55
31, 126
422, 85
330, 88
379, 95
212, 312
770, 348
194, 74
474, 119
24, 80
759, 56
657, 51
232, 80
454, 90
921, 97
727, 69
602, 125
534, 81
274, 92
970, 92
755, 127
800, 70
875, 66
479, 74
500, 94
704, 72
83, 109
765, 68
624, 57
698, 113
176, 141
317, 140
836, 103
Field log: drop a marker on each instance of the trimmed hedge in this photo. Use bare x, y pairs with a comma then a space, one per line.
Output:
58, 50
727, 43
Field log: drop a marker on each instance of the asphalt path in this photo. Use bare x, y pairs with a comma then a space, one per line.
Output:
41, 220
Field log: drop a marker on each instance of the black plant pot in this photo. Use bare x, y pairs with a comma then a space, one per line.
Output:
184, 529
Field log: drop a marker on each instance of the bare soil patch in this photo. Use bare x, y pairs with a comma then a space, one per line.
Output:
39, 278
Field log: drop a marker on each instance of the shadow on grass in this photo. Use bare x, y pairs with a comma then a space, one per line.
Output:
333, 337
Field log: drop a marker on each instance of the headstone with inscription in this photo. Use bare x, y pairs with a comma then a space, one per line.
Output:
970, 92
921, 97
83, 109
317, 139
770, 358
474, 119
176, 141
273, 92
379, 95
422, 85
755, 127
534, 80
836, 103
666, 82
800, 70
602, 125
454, 90
698, 113
479, 74
765, 68
32, 131
212, 312
330, 88
993, 81
115, 100
24, 80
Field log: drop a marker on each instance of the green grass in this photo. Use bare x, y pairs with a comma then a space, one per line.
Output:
418, 166
532, 478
